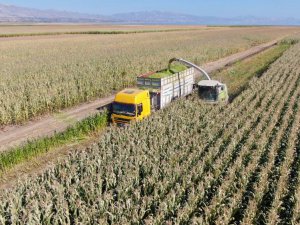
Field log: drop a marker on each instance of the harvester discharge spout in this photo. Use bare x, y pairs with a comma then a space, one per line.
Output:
183, 61
208, 90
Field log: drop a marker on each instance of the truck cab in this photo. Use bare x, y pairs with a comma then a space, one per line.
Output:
130, 105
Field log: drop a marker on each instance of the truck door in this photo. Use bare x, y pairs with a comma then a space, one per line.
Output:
140, 111
221, 90
155, 100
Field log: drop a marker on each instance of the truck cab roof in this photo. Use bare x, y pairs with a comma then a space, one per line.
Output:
131, 95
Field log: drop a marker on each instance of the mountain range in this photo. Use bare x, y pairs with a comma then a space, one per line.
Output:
16, 14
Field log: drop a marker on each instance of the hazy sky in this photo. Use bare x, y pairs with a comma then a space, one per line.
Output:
225, 8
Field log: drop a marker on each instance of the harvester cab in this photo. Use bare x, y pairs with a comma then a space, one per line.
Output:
209, 90
212, 91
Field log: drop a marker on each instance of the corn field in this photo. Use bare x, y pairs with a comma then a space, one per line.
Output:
188, 164
43, 75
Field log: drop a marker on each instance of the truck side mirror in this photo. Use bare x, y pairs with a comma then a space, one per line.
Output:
140, 109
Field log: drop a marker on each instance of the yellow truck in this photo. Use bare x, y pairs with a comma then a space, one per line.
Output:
131, 104
158, 89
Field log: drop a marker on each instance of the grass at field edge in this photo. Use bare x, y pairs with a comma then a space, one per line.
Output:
80, 131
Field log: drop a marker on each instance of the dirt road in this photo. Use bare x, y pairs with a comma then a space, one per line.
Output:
13, 136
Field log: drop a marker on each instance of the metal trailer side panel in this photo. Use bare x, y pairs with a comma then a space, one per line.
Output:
158, 83
179, 88
149, 83
155, 100
165, 90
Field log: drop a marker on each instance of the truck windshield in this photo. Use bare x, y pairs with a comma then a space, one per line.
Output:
124, 109
208, 93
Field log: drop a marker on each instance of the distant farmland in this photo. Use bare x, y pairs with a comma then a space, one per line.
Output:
7, 29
